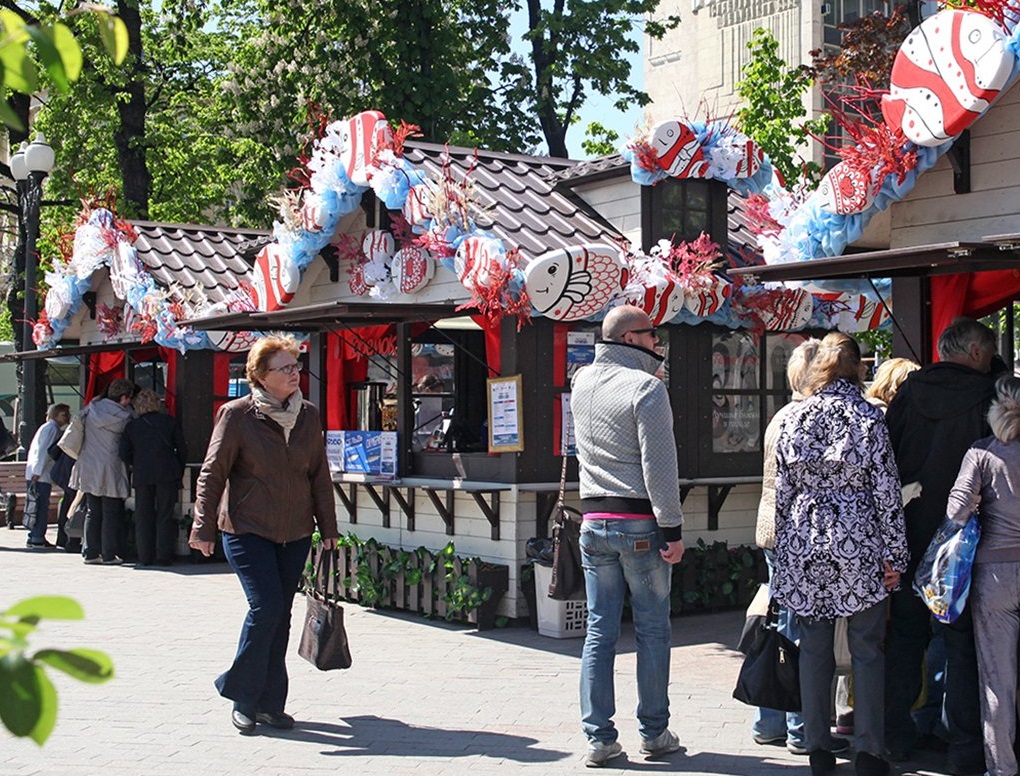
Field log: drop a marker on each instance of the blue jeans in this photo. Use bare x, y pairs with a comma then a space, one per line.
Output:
617, 555
269, 574
42, 512
773, 723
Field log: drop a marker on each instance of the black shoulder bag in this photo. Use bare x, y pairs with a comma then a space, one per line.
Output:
567, 574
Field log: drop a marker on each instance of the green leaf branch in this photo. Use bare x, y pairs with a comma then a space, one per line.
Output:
28, 699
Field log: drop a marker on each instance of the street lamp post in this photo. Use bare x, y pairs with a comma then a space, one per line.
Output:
30, 171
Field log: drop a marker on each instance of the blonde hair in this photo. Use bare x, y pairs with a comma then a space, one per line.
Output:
1004, 414
799, 365
838, 357
257, 365
889, 377
147, 401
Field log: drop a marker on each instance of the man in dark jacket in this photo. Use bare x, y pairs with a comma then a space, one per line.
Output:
934, 418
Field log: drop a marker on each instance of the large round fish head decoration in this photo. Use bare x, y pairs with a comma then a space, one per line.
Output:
678, 151
570, 284
947, 72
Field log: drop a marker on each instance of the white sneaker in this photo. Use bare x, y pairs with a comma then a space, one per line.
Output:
664, 743
599, 753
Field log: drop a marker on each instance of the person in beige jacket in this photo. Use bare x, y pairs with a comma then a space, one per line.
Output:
265, 485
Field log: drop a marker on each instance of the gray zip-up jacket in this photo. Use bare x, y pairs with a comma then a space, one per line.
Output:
623, 425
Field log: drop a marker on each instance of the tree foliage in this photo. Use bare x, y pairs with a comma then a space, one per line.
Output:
773, 113
866, 53
578, 49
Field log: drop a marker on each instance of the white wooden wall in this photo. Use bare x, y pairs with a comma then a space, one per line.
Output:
934, 213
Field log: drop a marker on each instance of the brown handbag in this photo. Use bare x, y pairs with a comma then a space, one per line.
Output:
323, 638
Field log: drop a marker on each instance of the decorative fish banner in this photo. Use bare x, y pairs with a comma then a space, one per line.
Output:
412, 269
573, 283
788, 310
360, 139
125, 269
947, 72
378, 244
846, 190
275, 279
475, 260
706, 297
417, 210
232, 341
678, 150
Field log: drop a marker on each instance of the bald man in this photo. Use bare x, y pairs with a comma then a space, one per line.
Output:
631, 535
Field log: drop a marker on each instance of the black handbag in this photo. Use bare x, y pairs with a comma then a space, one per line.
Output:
323, 638
29, 517
567, 575
770, 675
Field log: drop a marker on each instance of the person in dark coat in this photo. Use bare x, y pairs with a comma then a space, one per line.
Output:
153, 446
938, 413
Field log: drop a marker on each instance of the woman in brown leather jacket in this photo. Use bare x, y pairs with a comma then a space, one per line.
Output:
266, 477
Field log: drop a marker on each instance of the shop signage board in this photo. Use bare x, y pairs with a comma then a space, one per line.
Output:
506, 426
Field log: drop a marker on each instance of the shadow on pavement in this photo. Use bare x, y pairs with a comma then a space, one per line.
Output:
377, 736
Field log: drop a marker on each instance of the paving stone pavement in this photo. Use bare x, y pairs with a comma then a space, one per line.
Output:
423, 697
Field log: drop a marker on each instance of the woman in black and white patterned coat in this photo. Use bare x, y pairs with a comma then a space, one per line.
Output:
840, 544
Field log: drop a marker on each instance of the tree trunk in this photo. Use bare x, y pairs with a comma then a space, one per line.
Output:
130, 135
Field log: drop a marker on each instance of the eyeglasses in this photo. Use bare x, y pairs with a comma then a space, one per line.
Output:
642, 331
289, 369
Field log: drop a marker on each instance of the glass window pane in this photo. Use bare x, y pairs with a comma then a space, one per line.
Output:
736, 423
778, 348
697, 195
735, 363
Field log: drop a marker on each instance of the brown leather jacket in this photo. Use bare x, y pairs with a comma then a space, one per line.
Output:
261, 484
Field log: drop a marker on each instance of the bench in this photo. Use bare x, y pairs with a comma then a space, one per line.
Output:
12, 484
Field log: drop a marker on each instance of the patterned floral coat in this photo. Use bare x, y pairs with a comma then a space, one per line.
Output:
839, 512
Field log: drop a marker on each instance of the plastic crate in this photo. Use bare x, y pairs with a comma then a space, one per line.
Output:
557, 619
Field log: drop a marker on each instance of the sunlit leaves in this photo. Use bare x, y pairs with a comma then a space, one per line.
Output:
28, 699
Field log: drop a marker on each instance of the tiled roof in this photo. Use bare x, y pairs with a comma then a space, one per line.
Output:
743, 245
519, 196
604, 167
211, 258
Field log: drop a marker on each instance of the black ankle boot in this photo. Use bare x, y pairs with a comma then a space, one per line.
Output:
868, 764
822, 762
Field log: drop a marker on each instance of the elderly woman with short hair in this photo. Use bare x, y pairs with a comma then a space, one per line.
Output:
269, 448
989, 481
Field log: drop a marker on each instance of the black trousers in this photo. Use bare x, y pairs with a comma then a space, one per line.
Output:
103, 527
155, 527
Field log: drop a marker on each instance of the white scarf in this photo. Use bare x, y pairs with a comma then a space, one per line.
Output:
284, 413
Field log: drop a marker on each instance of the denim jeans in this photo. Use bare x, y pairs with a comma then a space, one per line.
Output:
617, 555
42, 512
773, 723
269, 574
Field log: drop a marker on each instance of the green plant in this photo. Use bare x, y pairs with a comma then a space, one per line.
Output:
715, 576
28, 699
773, 95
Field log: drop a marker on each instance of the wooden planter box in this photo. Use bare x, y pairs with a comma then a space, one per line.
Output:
435, 585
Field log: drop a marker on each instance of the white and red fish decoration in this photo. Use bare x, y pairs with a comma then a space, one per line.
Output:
361, 138
417, 209
378, 244
707, 295
788, 310
846, 190
476, 260
275, 279
678, 151
125, 269
574, 283
412, 269
947, 72
232, 341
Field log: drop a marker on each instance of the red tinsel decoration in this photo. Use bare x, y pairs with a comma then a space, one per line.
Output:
759, 219
494, 300
403, 132
318, 120
644, 155
693, 262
